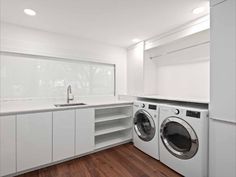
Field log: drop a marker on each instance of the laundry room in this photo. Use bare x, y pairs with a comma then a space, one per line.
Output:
112, 88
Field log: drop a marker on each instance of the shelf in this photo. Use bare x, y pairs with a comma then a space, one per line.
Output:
104, 118
106, 130
105, 141
127, 105
113, 125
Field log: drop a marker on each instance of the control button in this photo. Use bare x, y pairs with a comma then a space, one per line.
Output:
143, 105
176, 111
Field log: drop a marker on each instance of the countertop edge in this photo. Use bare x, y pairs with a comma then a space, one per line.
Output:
51, 109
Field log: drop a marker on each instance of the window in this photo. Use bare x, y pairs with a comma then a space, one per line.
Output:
29, 76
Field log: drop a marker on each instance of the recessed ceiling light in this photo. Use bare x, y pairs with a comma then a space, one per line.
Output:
29, 12
136, 40
198, 10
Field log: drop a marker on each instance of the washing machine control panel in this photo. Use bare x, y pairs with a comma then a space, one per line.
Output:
194, 114
153, 107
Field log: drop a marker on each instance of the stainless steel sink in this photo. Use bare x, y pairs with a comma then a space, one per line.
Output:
69, 104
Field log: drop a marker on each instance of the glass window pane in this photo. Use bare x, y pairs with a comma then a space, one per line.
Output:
26, 76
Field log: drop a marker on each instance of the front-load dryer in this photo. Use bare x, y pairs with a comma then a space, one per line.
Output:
184, 140
145, 128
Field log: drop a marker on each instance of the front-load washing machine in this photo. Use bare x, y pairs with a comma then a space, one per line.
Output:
145, 128
184, 139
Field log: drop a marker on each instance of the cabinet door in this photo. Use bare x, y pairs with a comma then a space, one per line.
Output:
34, 140
223, 61
84, 130
7, 145
63, 134
222, 149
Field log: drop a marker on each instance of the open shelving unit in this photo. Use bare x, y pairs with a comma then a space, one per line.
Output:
113, 125
112, 139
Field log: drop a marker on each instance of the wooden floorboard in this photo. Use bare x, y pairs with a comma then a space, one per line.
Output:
120, 161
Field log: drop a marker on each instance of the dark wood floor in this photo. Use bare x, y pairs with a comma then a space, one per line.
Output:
120, 161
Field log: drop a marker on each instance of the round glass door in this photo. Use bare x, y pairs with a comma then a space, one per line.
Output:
144, 125
179, 138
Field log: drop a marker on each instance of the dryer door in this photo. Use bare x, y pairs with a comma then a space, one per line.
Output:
144, 125
179, 138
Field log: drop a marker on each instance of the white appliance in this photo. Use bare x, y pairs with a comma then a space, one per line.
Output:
222, 108
145, 128
184, 139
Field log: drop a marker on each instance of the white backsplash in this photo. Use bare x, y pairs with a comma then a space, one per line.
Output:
27, 77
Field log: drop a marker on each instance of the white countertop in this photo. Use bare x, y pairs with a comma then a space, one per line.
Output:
180, 99
29, 106
9, 108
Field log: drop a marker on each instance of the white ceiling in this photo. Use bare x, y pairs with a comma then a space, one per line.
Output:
115, 22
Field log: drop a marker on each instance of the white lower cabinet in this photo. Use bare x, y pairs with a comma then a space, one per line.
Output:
63, 134
7, 145
84, 130
222, 148
34, 140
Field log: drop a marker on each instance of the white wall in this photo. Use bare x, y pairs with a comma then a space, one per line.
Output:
135, 69
179, 69
31, 41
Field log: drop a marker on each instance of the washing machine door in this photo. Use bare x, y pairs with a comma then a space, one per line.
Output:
144, 125
179, 138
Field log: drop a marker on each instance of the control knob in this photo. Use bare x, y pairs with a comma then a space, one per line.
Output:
143, 105
177, 111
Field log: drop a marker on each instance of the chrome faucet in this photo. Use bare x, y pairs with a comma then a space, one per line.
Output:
70, 97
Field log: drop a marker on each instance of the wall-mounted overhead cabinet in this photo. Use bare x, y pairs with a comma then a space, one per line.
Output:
34, 140
7, 145
63, 134
84, 131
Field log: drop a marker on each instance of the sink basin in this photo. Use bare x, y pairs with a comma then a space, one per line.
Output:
69, 104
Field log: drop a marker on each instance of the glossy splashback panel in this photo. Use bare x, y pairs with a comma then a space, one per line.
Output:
27, 76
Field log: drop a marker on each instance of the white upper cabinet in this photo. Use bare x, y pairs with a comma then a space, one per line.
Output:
34, 140
7, 145
223, 61
63, 134
84, 130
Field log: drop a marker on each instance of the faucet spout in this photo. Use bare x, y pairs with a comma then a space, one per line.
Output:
70, 97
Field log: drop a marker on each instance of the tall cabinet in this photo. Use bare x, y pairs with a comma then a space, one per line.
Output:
223, 89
